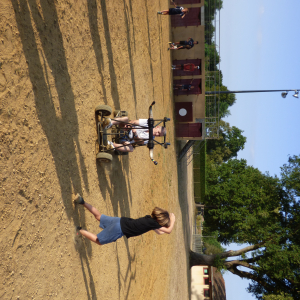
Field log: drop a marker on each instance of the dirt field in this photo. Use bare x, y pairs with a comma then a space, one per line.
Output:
58, 60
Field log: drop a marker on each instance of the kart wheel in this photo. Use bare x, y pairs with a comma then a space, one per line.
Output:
120, 113
104, 157
104, 109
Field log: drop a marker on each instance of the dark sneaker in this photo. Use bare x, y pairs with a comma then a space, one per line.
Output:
78, 199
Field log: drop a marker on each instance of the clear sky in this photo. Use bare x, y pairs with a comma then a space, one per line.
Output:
259, 51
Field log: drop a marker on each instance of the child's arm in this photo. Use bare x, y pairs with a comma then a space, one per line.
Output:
135, 122
158, 231
170, 228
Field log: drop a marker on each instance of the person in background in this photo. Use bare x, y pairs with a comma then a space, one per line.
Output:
185, 67
188, 44
178, 10
184, 87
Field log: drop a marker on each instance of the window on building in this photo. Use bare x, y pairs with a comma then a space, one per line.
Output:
188, 130
206, 280
205, 271
187, 71
206, 292
187, 87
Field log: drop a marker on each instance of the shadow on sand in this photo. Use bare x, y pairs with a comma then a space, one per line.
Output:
182, 170
61, 131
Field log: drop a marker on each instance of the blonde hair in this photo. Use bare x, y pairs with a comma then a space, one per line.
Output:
161, 216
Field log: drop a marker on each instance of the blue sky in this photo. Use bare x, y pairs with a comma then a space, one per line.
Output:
259, 51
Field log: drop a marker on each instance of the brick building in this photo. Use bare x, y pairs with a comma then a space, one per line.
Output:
189, 105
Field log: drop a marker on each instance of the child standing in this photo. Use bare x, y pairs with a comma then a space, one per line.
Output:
178, 10
114, 228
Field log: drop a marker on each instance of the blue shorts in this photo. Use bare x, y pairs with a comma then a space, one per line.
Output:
111, 229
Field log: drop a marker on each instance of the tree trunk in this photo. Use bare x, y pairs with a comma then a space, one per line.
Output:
197, 259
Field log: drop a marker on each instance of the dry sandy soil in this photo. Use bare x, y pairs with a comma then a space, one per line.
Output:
58, 60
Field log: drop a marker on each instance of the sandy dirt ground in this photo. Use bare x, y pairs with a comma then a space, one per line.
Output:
58, 60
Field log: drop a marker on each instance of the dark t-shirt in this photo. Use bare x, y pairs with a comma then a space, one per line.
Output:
190, 43
176, 11
186, 87
134, 227
187, 44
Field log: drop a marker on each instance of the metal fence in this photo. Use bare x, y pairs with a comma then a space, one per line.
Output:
191, 148
197, 242
197, 245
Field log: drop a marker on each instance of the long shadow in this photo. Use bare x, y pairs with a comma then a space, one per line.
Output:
129, 272
119, 193
183, 196
112, 73
81, 245
93, 21
149, 48
160, 34
61, 132
129, 48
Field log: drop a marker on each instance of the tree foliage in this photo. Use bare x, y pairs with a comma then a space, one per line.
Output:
227, 146
212, 57
282, 296
290, 174
210, 9
249, 207
214, 77
243, 198
213, 82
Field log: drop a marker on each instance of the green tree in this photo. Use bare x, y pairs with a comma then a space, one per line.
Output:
210, 8
282, 296
224, 100
212, 57
290, 174
246, 206
227, 146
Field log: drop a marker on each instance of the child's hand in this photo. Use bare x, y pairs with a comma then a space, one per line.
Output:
172, 216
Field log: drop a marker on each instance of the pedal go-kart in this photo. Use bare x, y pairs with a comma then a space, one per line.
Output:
119, 135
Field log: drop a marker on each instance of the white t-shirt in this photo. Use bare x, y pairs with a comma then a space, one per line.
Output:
142, 133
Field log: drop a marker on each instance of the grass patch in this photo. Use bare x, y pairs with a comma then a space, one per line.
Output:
199, 165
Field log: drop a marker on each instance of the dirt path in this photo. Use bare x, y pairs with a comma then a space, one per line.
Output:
58, 60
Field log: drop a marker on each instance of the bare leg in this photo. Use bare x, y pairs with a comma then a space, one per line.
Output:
123, 148
92, 237
93, 210
118, 121
165, 12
